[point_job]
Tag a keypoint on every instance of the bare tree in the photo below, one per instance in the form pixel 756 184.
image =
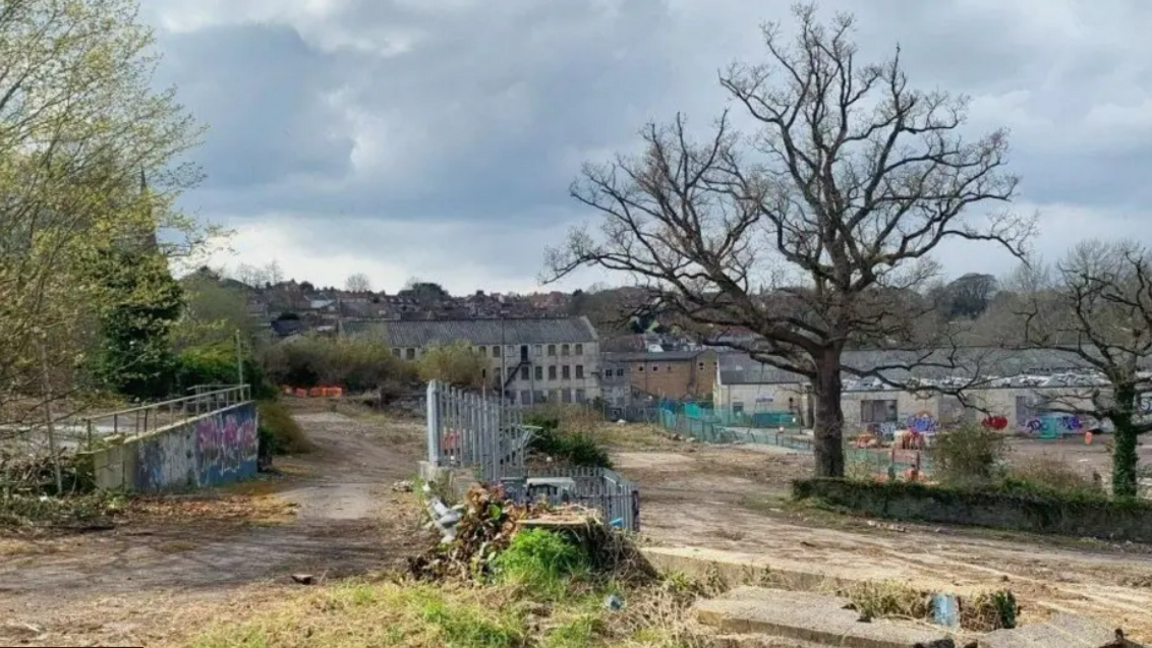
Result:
pixel 358 283
pixel 1096 306
pixel 811 232
pixel 273 272
pixel 249 275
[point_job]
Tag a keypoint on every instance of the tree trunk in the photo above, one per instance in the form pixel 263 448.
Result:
pixel 1124 457
pixel 828 428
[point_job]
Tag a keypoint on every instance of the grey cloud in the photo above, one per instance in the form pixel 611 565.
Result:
pixel 260 88
pixel 486 116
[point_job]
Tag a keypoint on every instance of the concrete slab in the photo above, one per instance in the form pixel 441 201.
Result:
pixel 809 617
pixel 1060 631
pixel 737 568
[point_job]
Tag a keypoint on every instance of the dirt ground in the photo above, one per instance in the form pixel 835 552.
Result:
pixel 733 498
pixel 151 581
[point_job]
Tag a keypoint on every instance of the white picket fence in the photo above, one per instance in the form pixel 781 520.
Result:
pixel 467 430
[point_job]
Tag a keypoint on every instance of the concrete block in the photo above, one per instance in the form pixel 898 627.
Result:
pixel 808 617
pixel 1060 631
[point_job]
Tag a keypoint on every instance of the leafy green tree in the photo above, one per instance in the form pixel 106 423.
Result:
pixel 82 130
pixel 142 303
pixel 456 364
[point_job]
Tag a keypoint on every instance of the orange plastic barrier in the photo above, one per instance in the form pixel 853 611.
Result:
pixel 315 392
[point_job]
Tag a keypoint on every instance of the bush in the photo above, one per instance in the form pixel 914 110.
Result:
pixel 542 562
pixel 216 365
pixel 562 437
pixel 356 364
pixel 968 455
pixel 280 431
pixel 455 364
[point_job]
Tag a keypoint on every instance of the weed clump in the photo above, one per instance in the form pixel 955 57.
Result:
pixel 566 438
pixel 542 562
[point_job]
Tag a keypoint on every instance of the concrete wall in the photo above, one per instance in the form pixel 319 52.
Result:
pixel 759 398
pixel 209 450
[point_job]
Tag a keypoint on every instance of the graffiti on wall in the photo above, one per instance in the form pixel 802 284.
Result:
pixel 1052 424
pixel 922 423
pixel 226 446
pixel 165 461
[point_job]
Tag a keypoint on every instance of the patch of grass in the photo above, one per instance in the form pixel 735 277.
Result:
pixel 280 431
pixel 543 563
pixel 989 611
pixel 1050 474
pixel 877 600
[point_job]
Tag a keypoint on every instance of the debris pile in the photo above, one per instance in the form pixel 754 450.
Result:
pixel 477 531
pixel 484 526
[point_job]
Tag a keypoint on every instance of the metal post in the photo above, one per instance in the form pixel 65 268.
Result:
pixel 239 361
pixel 433 423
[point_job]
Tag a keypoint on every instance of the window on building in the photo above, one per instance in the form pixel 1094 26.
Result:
pixel 655 368
pixel 553 396
pixel 640 368
pixel 524 372
pixel 551 349
pixel 538 350
pixel 579 371
pixel 579 349
pixel 566 372
pixel 564 349
pixel 737 407
pixel 620 372
pixel 581 397
pixel 878 411
pixel 539 372
pixel 538 395
pixel 484 374
pixel 525 397
pixel 701 365
pixel 509 351
pixel 566 395
pixel 396 352
pixel 523 353
pixel 483 351
pixel 552 373
pixel 495 352
pixel 668 368
pixel 410 353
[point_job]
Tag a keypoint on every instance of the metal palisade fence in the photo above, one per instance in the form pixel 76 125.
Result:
pixel 471 431
pixel 468 430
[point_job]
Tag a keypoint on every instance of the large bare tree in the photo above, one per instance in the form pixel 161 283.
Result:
pixel 811 231
pixel 1096 306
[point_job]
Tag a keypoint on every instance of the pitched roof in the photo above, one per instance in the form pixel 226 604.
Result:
pixel 648 356
pixel 419 333
pixel 1009 367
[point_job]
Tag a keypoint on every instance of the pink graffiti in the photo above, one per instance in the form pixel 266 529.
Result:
pixel 226 447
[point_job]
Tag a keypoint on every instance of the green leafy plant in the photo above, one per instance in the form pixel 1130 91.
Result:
pixel 281 431
pixel 542 562
pixel 567 443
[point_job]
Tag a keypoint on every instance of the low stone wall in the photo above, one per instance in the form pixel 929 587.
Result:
pixel 1019 511
pixel 216 448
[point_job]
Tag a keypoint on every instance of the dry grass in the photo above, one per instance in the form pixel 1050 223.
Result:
pixel 410 615
pixel 253 503
pixel 633 437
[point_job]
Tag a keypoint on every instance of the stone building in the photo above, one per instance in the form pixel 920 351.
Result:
pixel 676 375
pixel 1028 388
pixel 530 360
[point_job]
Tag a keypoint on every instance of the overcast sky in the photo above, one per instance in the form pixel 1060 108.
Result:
pixel 437 138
